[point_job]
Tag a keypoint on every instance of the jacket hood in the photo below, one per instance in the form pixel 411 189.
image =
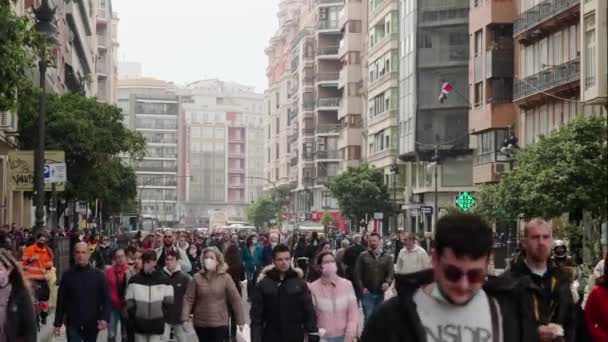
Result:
pixel 169 273
pixel 270 272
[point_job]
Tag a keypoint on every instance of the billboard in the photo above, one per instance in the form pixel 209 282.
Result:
pixel 21 169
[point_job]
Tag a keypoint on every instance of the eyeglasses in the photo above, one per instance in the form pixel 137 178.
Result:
pixel 454 274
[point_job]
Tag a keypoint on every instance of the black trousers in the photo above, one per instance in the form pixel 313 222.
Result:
pixel 219 334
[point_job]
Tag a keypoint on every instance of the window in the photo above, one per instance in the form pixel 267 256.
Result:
pixel 529 60
pixel 478 93
pixel 572 39
pixel 478 42
pixel 544 123
pixel 557 48
pixel 589 24
pixel 425 40
pixel 543 48
pixel 354 26
pixel 529 126
pixel 487 143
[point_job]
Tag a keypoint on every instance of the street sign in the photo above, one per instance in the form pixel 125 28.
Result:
pixel 55 173
pixel 21 169
pixel 378 216
pixel 426 210
pixel 465 201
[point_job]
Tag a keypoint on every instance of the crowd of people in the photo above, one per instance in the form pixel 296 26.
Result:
pixel 172 284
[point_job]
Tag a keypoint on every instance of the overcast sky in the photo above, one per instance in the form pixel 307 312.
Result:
pixel 188 40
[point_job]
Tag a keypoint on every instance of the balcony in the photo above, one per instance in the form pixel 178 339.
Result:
pixel 235 139
pixel 102 68
pixel 236 169
pixel 328 78
pixel 547 16
pixel 444 55
pixel 328 26
pixel 327 154
pixel 327 129
pixel 293 160
pixel 329 2
pixel 328 52
pixel 390 152
pixel 329 103
pixel 393 75
pixel 236 185
pixel 308 105
pixel 499 62
pixel 457 14
pixel 548 80
pixel 292 114
pixel 382 42
pixel 102 42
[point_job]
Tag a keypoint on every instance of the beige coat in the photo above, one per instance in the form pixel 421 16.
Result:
pixel 207 298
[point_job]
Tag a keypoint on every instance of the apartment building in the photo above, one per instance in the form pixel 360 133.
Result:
pixel 221 150
pixel 315 100
pixel 352 82
pixel 560 63
pixel 106 64
pixel 74 49
pixel 382 123
pixel 151 107
pixel 434 49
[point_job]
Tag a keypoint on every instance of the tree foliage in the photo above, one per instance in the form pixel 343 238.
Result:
pixel 563 172
pixel 360 191
pixel 20 46
pixel 92 136
pixel 262 211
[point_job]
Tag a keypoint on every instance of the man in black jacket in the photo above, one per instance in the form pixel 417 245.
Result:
pixel 548 308
pixel 451 301
pixel 282 308
pixel 83 301
pixel 350 260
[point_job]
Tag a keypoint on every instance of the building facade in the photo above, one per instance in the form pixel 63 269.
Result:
pixel 315 100
pixel 151 107
pixel 75 52
pixel 106 60
pixel 221 150
pixel 434 134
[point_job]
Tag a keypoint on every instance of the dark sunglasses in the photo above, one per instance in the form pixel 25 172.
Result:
pixel 454 274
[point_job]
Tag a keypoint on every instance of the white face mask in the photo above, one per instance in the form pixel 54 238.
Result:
pixel 210 264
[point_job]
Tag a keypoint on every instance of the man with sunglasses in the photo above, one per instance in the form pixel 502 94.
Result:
pixel 169 243
pixel 547 306
pixel 454 301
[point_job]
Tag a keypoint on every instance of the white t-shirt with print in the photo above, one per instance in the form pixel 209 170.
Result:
pixel 445 322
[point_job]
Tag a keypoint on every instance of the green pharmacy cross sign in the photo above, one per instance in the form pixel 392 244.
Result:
pixel 465 201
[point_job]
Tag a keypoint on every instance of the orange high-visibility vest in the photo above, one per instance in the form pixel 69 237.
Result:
pixel 37 269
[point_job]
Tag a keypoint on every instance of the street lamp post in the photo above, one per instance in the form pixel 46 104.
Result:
pixel 435 160
pixel 395 171
pixel 45 14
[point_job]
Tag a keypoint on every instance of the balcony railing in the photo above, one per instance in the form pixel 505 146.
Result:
pixel 384 153
pixel 384 40
pixel 328 25
pixel 540 13
pixel 328 76
pixel 547 79
pixel 328 51
pixel 329 102
pixel 308 105
pixel 328 128
pixel 452 15
pixel 328 154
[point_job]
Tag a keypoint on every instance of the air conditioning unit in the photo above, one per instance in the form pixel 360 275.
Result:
pixel 501 168
pixel 6 119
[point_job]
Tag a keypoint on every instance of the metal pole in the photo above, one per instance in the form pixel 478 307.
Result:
pixel 395 199
pixel 55 206
pixel 39 152
pixel 436 205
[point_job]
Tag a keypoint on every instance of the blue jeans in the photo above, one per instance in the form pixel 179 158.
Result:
pixel 333 339
pixel 80 334
pixel 115 317
pixel 369 302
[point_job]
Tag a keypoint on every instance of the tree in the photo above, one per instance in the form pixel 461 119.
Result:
pixel 92 136
pixel 564 171
pixel 262 211
pixel 20 46
pixel 360 191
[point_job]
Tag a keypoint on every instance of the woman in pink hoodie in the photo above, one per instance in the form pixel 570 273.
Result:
pixel 335 302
